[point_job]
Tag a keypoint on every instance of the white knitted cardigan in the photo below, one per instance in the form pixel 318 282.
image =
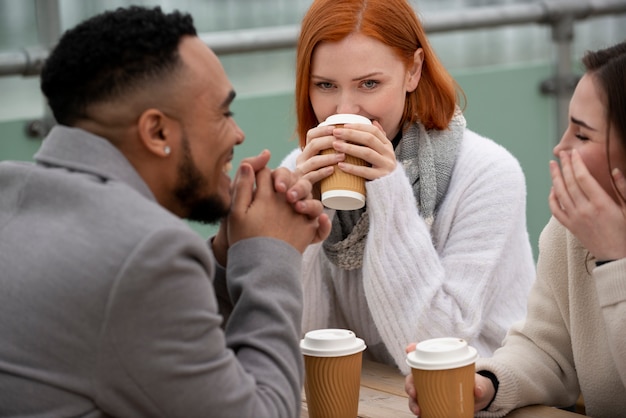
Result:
pixel 467 277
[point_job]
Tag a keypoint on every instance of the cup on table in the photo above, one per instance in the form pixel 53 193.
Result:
pixel 341 190
pixel 332 361
pixel 443 371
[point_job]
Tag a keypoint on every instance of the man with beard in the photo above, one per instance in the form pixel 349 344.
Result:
pixel 108 300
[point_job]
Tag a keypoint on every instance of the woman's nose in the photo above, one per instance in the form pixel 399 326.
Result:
pixel 347 105
pixel 559 147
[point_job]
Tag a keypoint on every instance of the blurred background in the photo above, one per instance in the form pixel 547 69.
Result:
pixel 516 60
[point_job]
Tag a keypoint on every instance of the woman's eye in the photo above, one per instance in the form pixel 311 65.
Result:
pixel 369 84
pixel 229 114
pixel 582 137
pixel 324 85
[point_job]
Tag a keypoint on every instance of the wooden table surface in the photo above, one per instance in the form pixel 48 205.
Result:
pixel 382 396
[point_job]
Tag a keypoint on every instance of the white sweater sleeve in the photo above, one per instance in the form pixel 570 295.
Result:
pixel 317 307
pixel 420 286
pixel 290 160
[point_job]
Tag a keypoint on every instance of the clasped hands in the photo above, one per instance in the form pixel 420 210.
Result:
pixel 271 203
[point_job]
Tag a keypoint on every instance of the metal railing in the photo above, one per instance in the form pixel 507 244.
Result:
pixel 560 15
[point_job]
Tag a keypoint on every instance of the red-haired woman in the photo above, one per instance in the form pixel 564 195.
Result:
pixel 441 247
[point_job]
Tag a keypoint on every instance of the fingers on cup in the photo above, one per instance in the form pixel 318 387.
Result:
pixel 341 190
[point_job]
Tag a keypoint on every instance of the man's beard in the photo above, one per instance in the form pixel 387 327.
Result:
pixel 205 209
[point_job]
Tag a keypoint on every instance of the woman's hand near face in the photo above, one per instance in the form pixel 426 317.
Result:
pixel 310 163
pixel 579 203
pixel 364 141
pixel 369 143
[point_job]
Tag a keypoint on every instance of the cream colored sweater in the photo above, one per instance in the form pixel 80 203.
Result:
pixel 469 276
pixel 574 337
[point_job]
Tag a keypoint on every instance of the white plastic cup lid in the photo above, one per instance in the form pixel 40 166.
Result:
pixel 340 118
pixel 343 199
pixel 441 354
pixel 331 342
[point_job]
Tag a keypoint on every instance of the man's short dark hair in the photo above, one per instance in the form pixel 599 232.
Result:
pixel 108 55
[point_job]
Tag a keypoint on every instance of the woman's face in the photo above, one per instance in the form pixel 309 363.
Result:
pixel 587 133
pixel 363 76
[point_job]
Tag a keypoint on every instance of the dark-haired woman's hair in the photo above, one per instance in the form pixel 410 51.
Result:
pixel 608 69
pixel 110 54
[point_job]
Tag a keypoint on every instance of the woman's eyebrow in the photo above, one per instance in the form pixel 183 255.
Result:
pixel 361 77
pixel 581 123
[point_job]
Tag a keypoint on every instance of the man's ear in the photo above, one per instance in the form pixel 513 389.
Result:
pixel 415 70
pixel 158 132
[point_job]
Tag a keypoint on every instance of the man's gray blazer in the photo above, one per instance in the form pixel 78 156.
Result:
pixel 107 303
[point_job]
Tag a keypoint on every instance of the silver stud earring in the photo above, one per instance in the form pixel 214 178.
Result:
pixel 167 150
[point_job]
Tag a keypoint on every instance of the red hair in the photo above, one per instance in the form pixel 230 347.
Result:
pixel 392 22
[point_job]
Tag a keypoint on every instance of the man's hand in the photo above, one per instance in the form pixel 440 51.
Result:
pixel 264 212
pixel 298 192
pixel 275 203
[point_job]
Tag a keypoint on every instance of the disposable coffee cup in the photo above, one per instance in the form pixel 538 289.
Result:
pixel 341 190
pixel 443 371
pixel 332 361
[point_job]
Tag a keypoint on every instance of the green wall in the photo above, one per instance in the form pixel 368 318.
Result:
pixel 506 106
pixel 14 144
pixel 503 104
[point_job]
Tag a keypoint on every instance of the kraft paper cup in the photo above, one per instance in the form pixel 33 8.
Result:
pixel 443 371
pixel 332 360
pixel 341 190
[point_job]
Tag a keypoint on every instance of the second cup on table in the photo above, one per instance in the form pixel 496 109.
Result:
pixel 443 372
pixel 332 360
pixel 341 190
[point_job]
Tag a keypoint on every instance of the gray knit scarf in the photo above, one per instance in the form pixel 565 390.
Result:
pixel 428 159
